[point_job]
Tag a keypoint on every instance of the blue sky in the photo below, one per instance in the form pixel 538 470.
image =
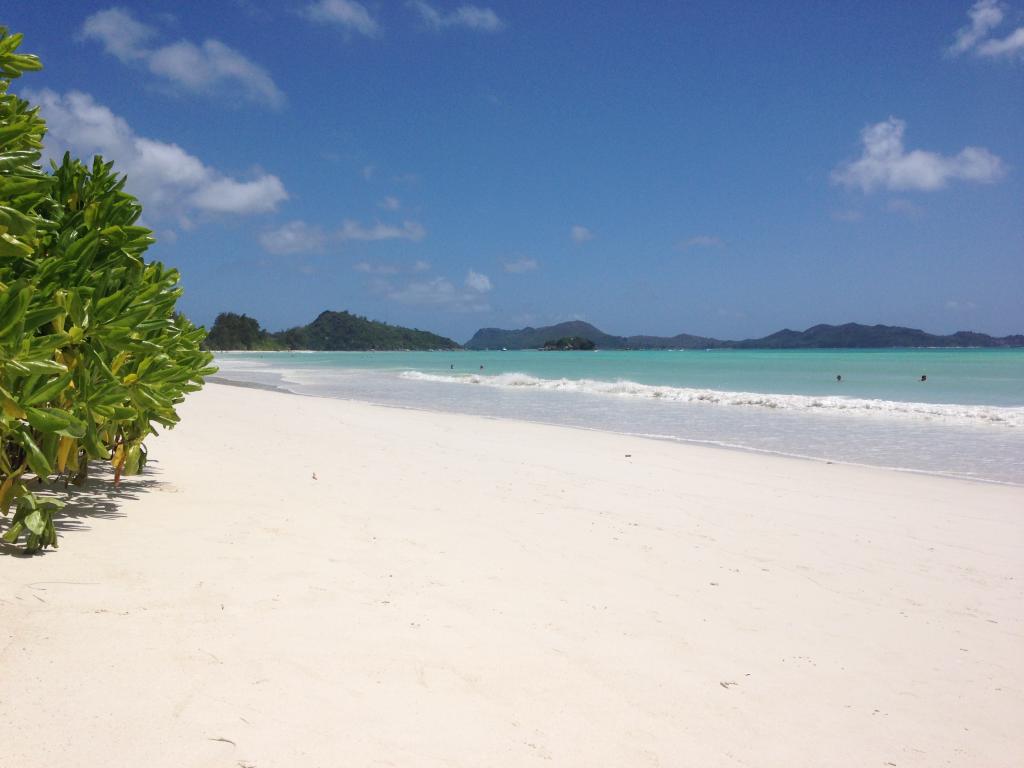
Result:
pixel 726 168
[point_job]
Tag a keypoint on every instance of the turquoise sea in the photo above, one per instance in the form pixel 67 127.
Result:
pixel 965 419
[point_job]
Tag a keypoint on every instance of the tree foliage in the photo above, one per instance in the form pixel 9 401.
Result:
pixel 237 332
pixel 331 331
pixel 567 343
pixel 91 351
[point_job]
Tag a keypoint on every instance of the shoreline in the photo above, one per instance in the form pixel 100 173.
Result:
pixel 299 578
pixel 721 445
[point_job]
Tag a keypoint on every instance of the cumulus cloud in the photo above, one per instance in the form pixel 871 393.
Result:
pixel 885 163
pixel 421 266
pixel 214 67
pixel 701 241
pixel 580 234
pixel 120 33
pixel 477 282
pixel 298 236
pixel 210 67
pixel 409 230
pixel 441 293
pixel 225 195
pixel 465 16
pixel 293 237
pixel 985 16
pixel 390 203
pixel 521 265
pixel 1009 46
pixel 348 13
pixel 164 176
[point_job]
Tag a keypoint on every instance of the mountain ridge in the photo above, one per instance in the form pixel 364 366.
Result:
pixel 821 336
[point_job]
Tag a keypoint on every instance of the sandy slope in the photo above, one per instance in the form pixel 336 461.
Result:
pixel 455 591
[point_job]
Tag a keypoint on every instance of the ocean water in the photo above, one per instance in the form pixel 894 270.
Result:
pixel 965 420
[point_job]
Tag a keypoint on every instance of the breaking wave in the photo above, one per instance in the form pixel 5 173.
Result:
pixel 951 413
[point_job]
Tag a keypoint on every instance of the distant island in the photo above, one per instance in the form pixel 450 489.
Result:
pixel 329 332
pixel 848 336
pixel 569 343
pixel 344 331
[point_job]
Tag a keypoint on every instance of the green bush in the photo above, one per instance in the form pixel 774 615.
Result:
pixel 92 353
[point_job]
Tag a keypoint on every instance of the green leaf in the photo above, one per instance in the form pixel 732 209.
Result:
pixel 32 367
pixel 35 522
pixel 36 317
pixel 49 390
pixel 11 537
pixel 13 310
pixel 55 420
pixel 37 460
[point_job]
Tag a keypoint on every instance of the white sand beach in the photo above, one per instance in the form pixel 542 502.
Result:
pixel 312 582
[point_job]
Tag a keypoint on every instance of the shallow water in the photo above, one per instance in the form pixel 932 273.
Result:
pixel 966 419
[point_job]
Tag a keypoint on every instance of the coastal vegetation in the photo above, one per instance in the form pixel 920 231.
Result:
pixel 233 331
pixel 92 353
pixel 568 343
pixel 329 332
pixel 847 336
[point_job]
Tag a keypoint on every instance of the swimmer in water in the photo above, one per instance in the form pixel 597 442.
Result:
pixel 839 377
pixel 923 377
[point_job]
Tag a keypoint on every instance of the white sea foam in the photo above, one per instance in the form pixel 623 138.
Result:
pixel 950 413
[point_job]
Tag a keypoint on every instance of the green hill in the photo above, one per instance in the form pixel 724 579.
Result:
pixel 329 332
pixel 535 338
pixel 848 336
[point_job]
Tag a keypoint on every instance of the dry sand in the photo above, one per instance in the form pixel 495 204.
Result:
pixel 457 591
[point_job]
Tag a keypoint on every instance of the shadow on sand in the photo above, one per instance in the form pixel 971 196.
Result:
pixel 97 498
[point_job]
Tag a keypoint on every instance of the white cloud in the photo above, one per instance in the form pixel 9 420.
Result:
pixel 214 67
pixel 211 67
pixel 293 237
pixel 985 16
pixel 885 163
pixel 477 282
pixel 439 292
pixel 121 34
pixel 165 177
pixel 521 265
pixel 353 230
pixel 368 172
pixel 421 266
pixel 298 236
pixel 465 16
pixel 226 195
pixel 375 269
pixel 1009 46
pixel 347 13
pixel 390 203
pixel 580 234
pixel 702 241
